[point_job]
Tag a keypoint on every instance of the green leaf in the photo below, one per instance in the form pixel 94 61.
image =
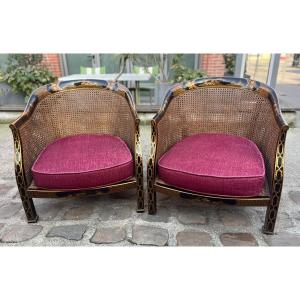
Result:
pixel 24 75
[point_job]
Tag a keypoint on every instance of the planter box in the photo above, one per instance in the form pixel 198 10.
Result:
pixel 10 99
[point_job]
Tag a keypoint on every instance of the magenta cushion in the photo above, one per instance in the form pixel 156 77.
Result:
pixel 83 161
pixel 214 164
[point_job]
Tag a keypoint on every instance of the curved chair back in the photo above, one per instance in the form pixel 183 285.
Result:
pixel 222 105
pixel 234 106
pixel 76 107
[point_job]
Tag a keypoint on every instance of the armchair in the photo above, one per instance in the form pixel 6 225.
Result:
pixel 237 107
pixel 91 110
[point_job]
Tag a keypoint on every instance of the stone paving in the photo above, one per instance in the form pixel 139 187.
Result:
pixel 112 220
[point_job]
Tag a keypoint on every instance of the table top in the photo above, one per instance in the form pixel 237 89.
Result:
pixel 123 77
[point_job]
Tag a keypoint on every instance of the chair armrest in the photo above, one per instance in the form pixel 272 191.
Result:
pixel 27 136
pixel 27 146
pixel 18 155
pixel 270 136
pixel 269 133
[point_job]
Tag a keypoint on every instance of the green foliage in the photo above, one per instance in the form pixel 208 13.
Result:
pixel 23 60
pixel 229 60
pixel 26 79
pixel 181 73
pixel 25 73
pixel 156 66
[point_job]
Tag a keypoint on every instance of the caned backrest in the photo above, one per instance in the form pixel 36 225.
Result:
pixel 86 108
pixel 219 105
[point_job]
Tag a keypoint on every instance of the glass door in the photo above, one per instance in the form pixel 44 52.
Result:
pixel 82 63
pixel 109 63
pixel 288 82
pixel 257 66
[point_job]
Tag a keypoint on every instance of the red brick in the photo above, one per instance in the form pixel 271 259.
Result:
pixel 52 62
pixel 212 64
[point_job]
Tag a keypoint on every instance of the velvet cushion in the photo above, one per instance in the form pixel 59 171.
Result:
pixel 214 164
pixel 83 161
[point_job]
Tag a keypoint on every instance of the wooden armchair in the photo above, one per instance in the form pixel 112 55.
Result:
pixel 76 108
pixel 237 107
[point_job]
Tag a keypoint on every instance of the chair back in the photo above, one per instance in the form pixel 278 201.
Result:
pixel 217 105
pixel 75 107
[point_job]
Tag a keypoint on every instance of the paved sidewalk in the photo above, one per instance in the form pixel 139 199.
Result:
pixel 288 80
pixel 112 220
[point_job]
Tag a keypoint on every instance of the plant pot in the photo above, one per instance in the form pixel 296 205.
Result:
pixel 10 99
pixel 160 91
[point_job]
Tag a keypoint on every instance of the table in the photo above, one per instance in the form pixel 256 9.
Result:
pixel 124 77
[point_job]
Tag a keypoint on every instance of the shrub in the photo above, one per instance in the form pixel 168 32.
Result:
pixel 229 60
pixel 25 72
pixel 181 73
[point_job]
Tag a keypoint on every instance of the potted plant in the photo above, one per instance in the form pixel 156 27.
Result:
pixel 164 77
pixel 153 64
pixel 181 73
pixel 23 74
pixel 157 66
pixel 229 60
pixel 177 73
pixel 8 97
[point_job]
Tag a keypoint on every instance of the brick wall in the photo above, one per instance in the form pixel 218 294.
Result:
pixel 212 64
pixel 52 62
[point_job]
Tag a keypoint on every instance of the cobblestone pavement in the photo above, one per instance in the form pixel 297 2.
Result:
pixel 112 220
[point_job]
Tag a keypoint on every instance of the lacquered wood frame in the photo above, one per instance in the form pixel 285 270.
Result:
pixel 275 188
pixel 28 190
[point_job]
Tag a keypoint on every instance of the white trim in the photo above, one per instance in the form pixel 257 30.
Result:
pixel 273 70
pixel 240 63
pixel 196 62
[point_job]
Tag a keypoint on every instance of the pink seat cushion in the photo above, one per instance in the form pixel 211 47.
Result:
pixel 83 161
pixel 214 164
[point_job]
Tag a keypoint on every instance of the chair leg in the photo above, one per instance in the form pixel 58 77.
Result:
pixel 272 210
pixel 29 209
pixel 270 219
pixel 140 197
pixel 151 189
pixel 151 173
pixel 151 201
pixel 140 181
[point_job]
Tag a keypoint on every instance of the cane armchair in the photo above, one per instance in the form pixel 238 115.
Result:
pixel 234 106
pixel 70 108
